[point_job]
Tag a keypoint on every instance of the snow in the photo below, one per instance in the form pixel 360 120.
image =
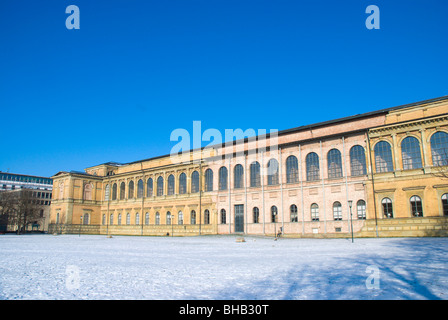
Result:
pixel 219 267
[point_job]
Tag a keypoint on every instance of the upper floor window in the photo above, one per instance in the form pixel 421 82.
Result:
pixel 439 148
pixel 292 169
pixel 334 164
pixel 170 184
pixel 208 175
pixel 131 190
pixel 383 157
pixel 107 192
pixel 114 191
pixel 122 190
pixel 410 153
pixel 140 189
pixel 160 186
pixel 195 182
pixel 255 174
pixel 222 178
pixel 149 188
pixel 273 172
pixel 182 183
pixel 238 175
pixel 88 191
pixel 357 161
pixel 312 166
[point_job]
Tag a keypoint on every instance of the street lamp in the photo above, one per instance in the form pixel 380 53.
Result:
pixel 172 225
pixel 80 225
pixel 350 202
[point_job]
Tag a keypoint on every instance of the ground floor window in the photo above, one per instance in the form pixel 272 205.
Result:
pixel 445 204
pixel 361 209
pixel 206 217
pixel 293 213
pixel 223 216
pixel 416 206
pixel 314 212
pixel 387 208
pixel 337 211
pixel 256 213
pixel 193 217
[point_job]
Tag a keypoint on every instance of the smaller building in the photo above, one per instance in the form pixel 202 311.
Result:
pixel 40 194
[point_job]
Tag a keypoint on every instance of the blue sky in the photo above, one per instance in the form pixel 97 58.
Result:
pixel 115 89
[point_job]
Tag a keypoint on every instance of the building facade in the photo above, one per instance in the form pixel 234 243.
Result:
pixel 374 174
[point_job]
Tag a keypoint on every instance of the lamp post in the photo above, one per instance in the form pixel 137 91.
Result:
pixel 350 202
pixel 172 225
pixel 80 225
pixel 275 225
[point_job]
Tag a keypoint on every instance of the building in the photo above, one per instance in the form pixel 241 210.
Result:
pixel 41 192
pixel 376 174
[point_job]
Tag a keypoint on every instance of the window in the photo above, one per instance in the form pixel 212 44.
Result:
pixel 445 204
pixel 223 216
pixel 255 174
pixel 223 178
pixel 312 166
pixel 128 219
pixel 131 190
pixel 85 220
pixel 410 153
pixel 293 213
pixel 208 175
pixel 103 221
pixel 182 183
pixel 160 186
pixel 387 208
pixel 111 219
pixel 439 148
pixel 361 209
pixel 292 170
pixel 168 217
pixel 383 157
pixel 416 206
pixel 238 174
pixel 314 212
pixel 180 219
pixel 357 161
pixel 273 172
pixel 157 218
pixel 193 217
pixel 274 214
pixel 140 189
pixel 334 164
pixel 88 191
pixel 195 182
pixel 146 218
pixel 206 217
pixel 122 190
pixel 170 185
pixel 256 213
pixel 137 218
pixel 149 188
pixel 337 211
pixel 107 193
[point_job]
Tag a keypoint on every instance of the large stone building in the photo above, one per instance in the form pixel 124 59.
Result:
pixel 376 174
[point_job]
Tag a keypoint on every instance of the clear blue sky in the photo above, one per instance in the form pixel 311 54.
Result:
pixel 115 89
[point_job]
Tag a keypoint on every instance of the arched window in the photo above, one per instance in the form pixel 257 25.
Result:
pixel 193 217
pixel 273 172
pixel 157 222
pixel 223 216
pixel 119 219
pixel 107 193
pixel 312 166
pixel 256 213
pixel 122 190
pixel 439 148
pixel 195 182
pixel 361 209
pixel 180 219
pixel 388 211
pixel 274 214
pixel 383 157
pixel 111 219
pixel 208 175
pixel 103 221
pixel 238 175
pixel 149 188
pixel 128 218
pixel 293 213
pixel 147 218
pixel 223 178
pixel 357 161
pixel 182 183
pixel 131 190
pixel 255 174
pixel 314 212
pixel 416 206
pixel 86 219
pixel 160 186
pixel 337 211
pixel 206 217
pixel 445 204
pixel 292 170
pixel 88 191
pixel 137 218
pixel 334 164
pixel 114 191
pixel 170 184
pixel 410 153
pixel 140 189
pixel 168 217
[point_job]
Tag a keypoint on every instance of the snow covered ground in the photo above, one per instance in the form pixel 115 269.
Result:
pixel 218 267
